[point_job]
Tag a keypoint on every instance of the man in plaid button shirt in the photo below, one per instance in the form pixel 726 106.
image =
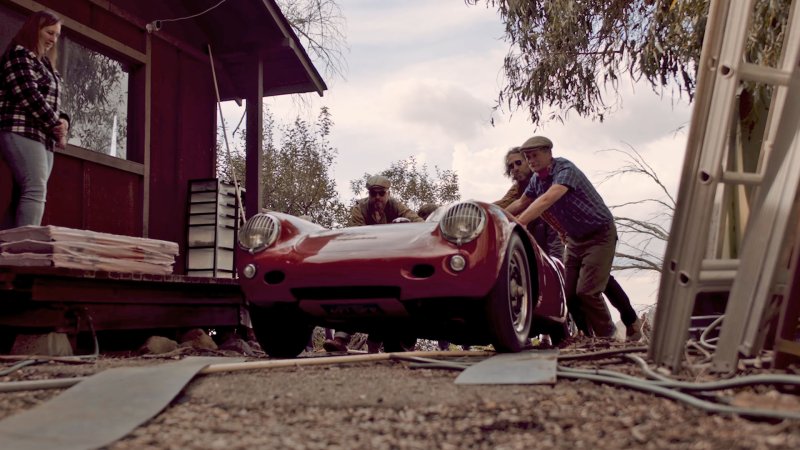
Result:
pixel 561 194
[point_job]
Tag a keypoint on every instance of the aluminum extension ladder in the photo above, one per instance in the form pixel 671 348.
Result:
pixel 756 280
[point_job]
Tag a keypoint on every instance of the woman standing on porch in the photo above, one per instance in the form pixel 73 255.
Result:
pixel 30 120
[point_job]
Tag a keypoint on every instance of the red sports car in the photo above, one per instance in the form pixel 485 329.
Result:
pixel 470 274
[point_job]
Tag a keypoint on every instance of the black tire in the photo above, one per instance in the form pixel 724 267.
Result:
pixel 397 343
pixel 281 332
pixel 509 307
pixel 558 332
pixel 7 337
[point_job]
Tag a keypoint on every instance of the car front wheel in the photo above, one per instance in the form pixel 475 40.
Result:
pixel 510 303
pixel 395 343
pixel 281 332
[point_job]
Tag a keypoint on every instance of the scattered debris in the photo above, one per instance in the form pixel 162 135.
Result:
pixel 157 345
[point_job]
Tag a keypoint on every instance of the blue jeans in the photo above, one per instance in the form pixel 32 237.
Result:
pixel 30 165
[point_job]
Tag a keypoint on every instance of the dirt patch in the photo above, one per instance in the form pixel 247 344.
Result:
pixel 391 405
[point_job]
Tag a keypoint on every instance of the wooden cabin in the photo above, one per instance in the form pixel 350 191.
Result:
pixel 139 87
pixel 142 96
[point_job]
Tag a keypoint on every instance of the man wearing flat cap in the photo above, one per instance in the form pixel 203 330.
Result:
pixel 379 207
pixel 564 197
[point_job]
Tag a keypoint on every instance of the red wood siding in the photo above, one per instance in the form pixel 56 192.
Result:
pixel 182 139
pixel 86 195
pixel 101 20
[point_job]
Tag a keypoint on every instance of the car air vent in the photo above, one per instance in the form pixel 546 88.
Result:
pixel 422 271
pixel 274 277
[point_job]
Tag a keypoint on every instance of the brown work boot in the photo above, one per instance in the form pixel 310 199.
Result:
pixel 633 332
pixel 336 344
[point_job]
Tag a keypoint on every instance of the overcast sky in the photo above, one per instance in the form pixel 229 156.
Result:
pixel 422 78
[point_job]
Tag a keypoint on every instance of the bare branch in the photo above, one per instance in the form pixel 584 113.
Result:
pixel 320 25
pixel 639 263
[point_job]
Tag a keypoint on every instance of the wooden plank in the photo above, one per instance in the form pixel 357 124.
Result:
pixel 532 367
pixel 123 165
pixel 140 393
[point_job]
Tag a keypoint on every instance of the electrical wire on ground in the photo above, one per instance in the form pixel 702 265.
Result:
pixel 655 383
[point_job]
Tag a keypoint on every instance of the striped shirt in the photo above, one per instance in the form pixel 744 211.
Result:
pixel 580 212
pixel 29 96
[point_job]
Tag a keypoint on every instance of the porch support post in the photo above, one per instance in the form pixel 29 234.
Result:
pixel 253 141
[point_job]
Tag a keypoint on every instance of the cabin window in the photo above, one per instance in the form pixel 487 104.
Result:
pixel 95 95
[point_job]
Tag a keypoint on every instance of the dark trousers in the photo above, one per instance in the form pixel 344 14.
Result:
pixel 588 267
pixel 618 299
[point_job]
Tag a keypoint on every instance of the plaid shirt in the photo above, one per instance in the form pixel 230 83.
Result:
pixel 29 89
pixel 581 212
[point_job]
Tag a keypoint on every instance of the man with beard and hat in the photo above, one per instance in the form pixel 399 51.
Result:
pixel 377 208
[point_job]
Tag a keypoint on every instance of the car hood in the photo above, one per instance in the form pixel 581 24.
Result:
pixel 371 239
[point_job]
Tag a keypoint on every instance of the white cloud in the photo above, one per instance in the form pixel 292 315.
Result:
pixel 380 23
pixel 447 109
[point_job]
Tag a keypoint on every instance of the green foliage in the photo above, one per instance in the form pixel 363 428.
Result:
pixel 95 90
pixel 413 185
pixel 297 170
pixel 568 54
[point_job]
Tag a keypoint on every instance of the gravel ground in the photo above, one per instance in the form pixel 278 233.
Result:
pixel 390 405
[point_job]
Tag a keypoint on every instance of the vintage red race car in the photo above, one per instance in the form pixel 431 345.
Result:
pixel 470 274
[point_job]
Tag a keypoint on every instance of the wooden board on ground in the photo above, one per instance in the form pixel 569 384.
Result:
pixel 532 367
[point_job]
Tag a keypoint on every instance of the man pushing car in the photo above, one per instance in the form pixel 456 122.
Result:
pixel 379 207
pixel 563 196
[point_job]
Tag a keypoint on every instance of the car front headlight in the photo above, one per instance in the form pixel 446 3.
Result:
pixel 463 222
pixel 259 232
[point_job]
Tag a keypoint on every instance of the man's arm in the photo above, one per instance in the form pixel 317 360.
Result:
pixel 519 205
pixel 511 195
pixel 356 218
pixel 404 211
pixel 540 205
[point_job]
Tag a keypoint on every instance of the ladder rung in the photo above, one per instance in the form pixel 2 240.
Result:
pixel 717 276
pixel 747 178
pixel 769 75
pixel 719 264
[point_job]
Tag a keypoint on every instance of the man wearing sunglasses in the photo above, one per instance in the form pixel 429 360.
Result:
pixel 517 168
pixel 565 198
pixel 378 208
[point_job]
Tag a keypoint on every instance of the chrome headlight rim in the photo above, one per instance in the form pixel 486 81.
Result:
pixel 470 214
pixel 262 228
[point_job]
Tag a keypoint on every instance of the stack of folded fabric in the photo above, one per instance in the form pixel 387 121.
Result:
pixel 51 246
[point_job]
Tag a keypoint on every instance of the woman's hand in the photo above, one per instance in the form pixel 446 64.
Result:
pixel 60 131
pixel 61 128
